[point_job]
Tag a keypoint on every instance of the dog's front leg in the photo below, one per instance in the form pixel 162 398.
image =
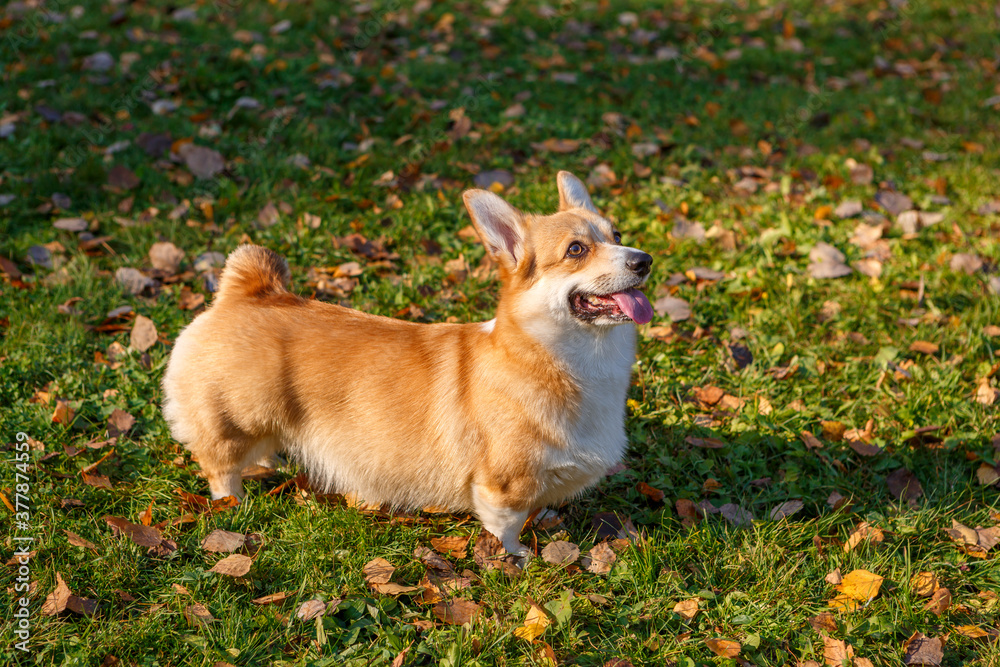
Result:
pixel 500 515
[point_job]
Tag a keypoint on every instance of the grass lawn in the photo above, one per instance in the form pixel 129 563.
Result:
pixel 815 402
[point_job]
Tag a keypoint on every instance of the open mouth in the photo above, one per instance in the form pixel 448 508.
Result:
pixel 630 304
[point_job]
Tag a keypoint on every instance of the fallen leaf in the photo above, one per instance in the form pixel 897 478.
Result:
pixel 122 178
pixel 489 554
pixel 143 334
pixel 222 541
pixel 823 622
pixel 705 443
pixel 786 509
pixel 924 347
pixel 310 609
pixel 62 599
pixel 724 648
pixel 198 614
pixel 453 546
pixel 920 649
pixel 676 309
pixel 166 257
pixel 392 588
pixel 836 651
pixel 273 598
pixel 557 145
pixel 78 541
pixel 924 583
pixel 987 474
pixel 534 623
pixel 119 423
pixel 904 485
pixel 860 585
pixel 736 515
pixel 652 493
pixel 235 565
pixel 63 413
pixel 827 262
pixel 834 577
pixel 203 162
pixel 687 609
pixel 378 571
pixel 599 559
pixel 560 552
pixel 144 536
pixel 939 602
pixel 457 611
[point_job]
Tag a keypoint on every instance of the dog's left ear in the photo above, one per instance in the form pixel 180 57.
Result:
pixel 573 193
pixel 499 226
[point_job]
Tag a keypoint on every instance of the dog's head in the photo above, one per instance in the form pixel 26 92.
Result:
pixel 569 267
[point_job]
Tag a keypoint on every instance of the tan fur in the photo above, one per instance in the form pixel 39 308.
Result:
pixel 458 415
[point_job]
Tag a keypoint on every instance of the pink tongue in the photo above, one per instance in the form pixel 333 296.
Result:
pixel 634 304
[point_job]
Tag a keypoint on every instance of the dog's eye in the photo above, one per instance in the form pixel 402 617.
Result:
pixel 618 238
pixel 575 249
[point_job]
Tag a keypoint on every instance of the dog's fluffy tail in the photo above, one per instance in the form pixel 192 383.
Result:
pixel 253 272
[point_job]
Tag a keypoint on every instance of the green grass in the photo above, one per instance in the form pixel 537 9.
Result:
pixel 868 79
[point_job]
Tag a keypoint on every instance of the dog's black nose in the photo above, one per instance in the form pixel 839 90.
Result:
pixel 639 263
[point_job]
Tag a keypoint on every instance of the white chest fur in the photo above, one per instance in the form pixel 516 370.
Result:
pixel 602 366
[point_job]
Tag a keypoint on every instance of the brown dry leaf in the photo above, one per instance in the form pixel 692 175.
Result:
pixel 198 614
pixel 457 611
pixel 560 552
pixel 95 479
pixel 432 560
pixel 687 609
pixel 144 536
pixel 967 539
pixel 310 609
pixel 78 541
pixel 985 393
pixel 273 598
pixel 652 493
pixel 57 600
pixel 378 571
pixel 864 531
pixel 972 632
pixel 834 577
pixel 392 588
pixel 705 443
pixel 987 474
pixel 939 602
pixel 860 585
pixel 534 623
pixel 143 334
pixel 904 486
pixel 453 545
pixel 824 622
pixel 836 651
pixel 223 541
pixel 810 440
pixel 924 583
pixel 63 413
pixel 687 511
pixel 599 559
pixel 189 300
pixel 166 257
pixel 920 649
pixel 122 178
pixel 924 347
pixel 489 554
pixel 709 395
pixel 786 509
pixel 736 515
pixel 724 648
pixel 203 162
pixel 236 565
pixel 119 423
pixel 557 145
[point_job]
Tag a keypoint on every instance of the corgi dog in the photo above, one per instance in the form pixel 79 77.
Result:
pixel 497 418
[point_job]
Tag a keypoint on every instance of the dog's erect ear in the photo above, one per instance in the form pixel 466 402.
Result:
pixel 573 193
pixel 499 226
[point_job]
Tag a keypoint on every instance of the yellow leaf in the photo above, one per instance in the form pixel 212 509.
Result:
pixel 724 648
pixel 843 603
pixel 862 532
pixel 687 609
pixel 534 624
pixel 987 474
pixel 860 585
pixel 924 583
pixel 971 631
